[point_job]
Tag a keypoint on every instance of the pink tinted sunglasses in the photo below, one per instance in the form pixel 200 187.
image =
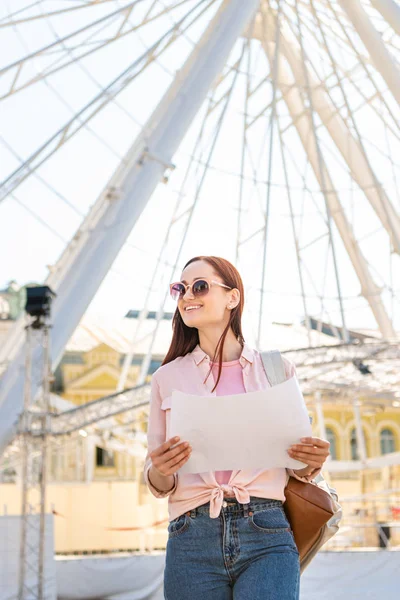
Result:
pixel 200 287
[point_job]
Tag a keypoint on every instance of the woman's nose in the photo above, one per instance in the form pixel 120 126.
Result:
pixel 188 293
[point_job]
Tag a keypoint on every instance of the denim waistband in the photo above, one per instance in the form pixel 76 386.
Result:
pixel 231 505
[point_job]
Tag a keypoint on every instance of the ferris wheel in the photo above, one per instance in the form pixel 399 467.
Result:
pixel 136 135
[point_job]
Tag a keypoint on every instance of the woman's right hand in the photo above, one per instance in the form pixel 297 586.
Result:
pixel 166 460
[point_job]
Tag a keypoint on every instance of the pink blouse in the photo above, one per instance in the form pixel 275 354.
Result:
pixel 187 374
pixel 230 382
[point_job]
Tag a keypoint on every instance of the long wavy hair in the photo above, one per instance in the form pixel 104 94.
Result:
pixel 185 339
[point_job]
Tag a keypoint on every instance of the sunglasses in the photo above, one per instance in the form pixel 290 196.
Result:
pixel 200 287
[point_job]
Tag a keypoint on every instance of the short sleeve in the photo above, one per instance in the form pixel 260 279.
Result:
pixel 290 368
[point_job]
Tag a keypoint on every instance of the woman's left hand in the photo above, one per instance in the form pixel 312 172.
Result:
pixel 313 451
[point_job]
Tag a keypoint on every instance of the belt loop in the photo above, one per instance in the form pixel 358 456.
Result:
pixel 246 509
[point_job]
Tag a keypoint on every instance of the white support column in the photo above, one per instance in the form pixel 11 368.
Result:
pixel 84 264
pixel 321 423
pixel 359 431
pixel 373 42
pixel 301 120
pixel 320 415
pixel 390 11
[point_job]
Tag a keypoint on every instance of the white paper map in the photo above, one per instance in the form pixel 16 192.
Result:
pixel 241 431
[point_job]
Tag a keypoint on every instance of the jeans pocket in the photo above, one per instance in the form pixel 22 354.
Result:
pixel 270 520
pixel 178 525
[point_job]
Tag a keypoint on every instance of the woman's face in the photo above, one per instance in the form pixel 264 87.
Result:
pixel 210 309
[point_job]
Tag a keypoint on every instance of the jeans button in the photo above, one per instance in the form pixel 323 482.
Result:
pixel 224 504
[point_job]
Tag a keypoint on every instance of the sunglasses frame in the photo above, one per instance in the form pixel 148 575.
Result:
pixel 210 283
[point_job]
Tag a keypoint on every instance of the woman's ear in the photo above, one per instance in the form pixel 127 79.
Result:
pixel 234 298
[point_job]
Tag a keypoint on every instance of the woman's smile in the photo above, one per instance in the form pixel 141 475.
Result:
pixel 192 308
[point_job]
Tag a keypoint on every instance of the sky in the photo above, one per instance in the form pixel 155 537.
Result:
pixel 44 212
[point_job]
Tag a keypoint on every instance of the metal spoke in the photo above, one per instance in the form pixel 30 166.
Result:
pixel 74 125
pixel 63 56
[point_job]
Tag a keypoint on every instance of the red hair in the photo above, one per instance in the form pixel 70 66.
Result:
pixel 185 339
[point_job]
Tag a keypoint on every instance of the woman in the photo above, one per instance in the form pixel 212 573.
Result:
pixel 229 537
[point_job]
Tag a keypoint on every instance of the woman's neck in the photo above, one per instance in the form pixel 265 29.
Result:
pixel 232 348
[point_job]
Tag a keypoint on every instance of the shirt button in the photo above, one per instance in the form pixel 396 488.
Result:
pixel 224 504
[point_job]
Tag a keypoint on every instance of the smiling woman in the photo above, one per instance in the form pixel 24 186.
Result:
pixel 218 510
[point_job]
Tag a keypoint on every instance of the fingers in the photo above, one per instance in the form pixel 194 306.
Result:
pixel 315 460
pixel 309 450
pixel 315 441
pixel 165 446
pixel 177 461
pixel 309 459
pixel 175 455
pixel 311 447
pixel 313 451
pixel 312 457
pixel 167 460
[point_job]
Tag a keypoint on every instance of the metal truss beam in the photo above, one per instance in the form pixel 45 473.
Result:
pixel 106 95
pixel 94 248
pixel 103 408
pixel 70 49
pixel 327 369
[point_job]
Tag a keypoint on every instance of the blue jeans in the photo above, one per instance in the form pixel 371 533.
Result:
pixel 247 553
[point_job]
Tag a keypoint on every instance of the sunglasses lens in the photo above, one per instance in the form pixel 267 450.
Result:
pixel 200 287
pixel 177 290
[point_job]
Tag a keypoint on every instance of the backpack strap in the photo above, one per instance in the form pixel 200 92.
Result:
pixel 274 366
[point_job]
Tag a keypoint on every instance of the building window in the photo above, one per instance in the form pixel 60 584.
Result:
pixel 104 458
pixel 388 443
pixel 331 437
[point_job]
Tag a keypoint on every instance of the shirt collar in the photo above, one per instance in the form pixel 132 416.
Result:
pixel 247 355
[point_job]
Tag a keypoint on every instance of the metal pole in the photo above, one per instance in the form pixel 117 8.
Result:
pixel 43 462
pixel 322 174
pixel 34 428
pixel 274 72
pixel 25 459
pixel 320 415
pixel 243 153
pixel 295 238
